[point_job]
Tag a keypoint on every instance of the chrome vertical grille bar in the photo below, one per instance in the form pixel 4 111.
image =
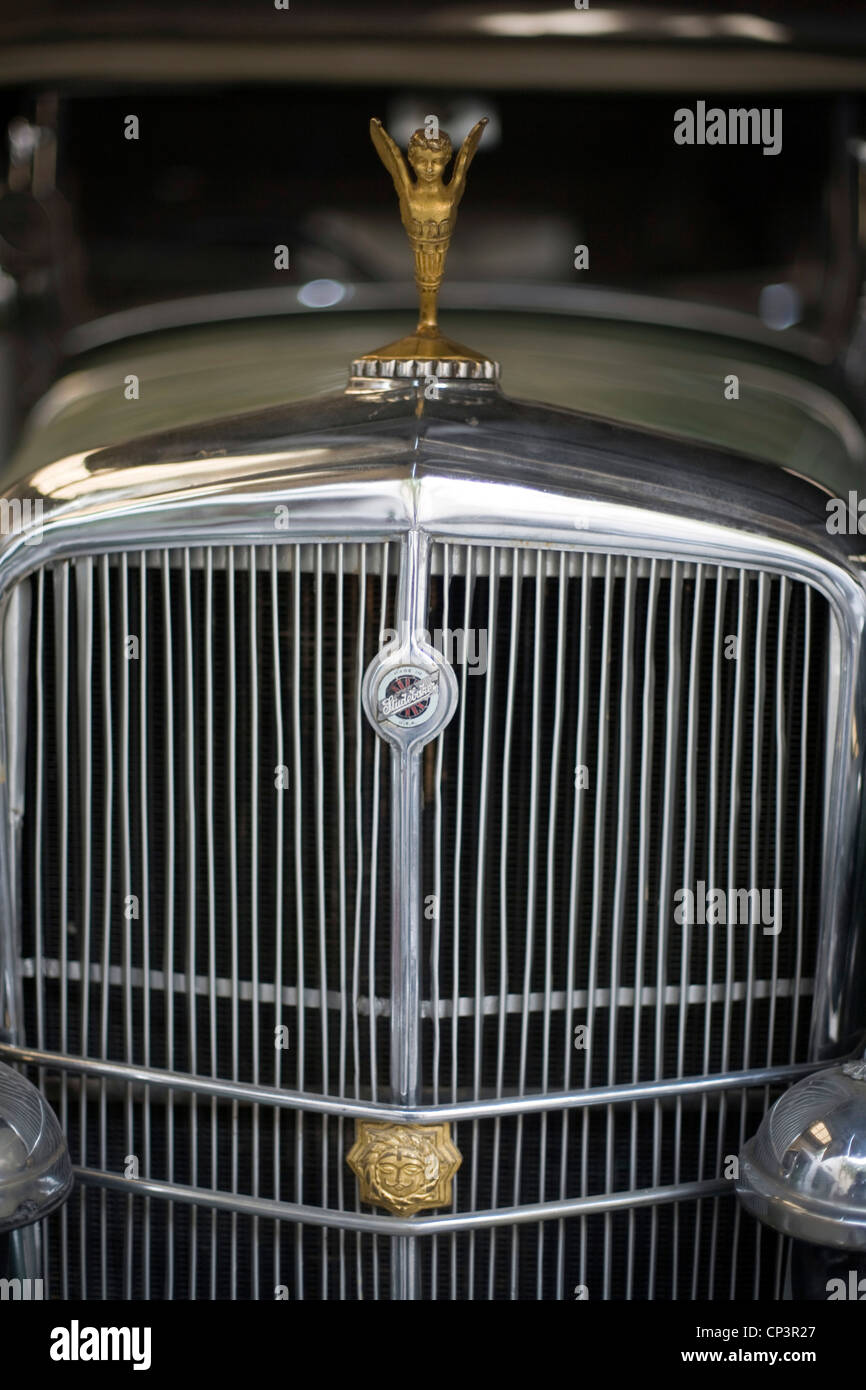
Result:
pixel 144 811
pixel 210 850
pixel 446 623
pixel 211 893
pixel 39 830
pixel 359 889
pixel 253 927
pixel 279 920
pixel 319 794
pixel 191 899
pixel 405 906
pixel 169 949
pixel 298 784
pixel 780 702
pixel 84 611
pixel 481 865
pixel 61 626
pixel 107 889
pixel 487 779
pixel 513 651
pixel 801 819
pixel 127 888
pixel 436 949
pixel 341 906
pixel 234 856
pixel 456 906
pixel 782 713
pixel 378 778
pixel 375 878
pixel 436 943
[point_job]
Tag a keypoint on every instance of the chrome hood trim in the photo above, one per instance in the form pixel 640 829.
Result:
pixel 382 453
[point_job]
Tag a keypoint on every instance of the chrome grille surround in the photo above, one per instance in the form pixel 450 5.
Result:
pixel 447 511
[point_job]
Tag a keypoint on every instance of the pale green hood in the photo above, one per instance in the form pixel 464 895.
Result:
pixel 656 378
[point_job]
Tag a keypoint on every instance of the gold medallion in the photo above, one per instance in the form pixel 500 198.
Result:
pixel 404 1168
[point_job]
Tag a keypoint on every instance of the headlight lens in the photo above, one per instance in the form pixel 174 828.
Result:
pixel 35 1172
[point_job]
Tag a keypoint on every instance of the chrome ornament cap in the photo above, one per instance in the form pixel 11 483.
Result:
pixel 804 1172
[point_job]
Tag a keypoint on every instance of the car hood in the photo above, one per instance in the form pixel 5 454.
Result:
pixel 665 380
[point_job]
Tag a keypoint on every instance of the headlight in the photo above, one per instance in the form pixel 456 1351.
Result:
pixel 804 1172
pixel 35 1172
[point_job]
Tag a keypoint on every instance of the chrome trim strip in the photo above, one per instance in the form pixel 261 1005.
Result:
pixel 405 905
pixel 16 655
pixel 466 1004
pixel 402 1227
pixel 414 1114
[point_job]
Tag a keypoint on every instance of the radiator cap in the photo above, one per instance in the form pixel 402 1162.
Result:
pixel 804 1172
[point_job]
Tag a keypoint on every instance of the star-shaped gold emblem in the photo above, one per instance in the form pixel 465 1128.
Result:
pixel 404 1168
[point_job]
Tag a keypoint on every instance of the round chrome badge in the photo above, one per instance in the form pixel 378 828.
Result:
pixel 409 693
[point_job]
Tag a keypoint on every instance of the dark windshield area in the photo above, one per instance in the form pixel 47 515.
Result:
pixel 217 179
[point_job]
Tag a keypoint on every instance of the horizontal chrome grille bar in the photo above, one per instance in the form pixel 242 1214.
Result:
pixel 466 1005
pixel 396 1226
pixel 416 1114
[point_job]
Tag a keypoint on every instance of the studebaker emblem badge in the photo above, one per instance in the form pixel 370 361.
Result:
pixel 409 692
pixel 408 696
pixel 404 1168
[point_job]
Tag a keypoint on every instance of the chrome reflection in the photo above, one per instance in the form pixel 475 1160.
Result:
pixel 804 1172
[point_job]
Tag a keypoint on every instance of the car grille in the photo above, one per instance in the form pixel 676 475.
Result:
pixel 207 860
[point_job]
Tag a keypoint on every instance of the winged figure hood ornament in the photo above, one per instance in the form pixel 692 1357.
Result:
pixel 428 208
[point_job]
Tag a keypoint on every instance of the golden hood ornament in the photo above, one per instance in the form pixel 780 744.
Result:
pixel 404 1168
pixel 428 208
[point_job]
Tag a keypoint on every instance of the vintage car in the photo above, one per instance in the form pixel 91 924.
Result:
pixel 432 791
